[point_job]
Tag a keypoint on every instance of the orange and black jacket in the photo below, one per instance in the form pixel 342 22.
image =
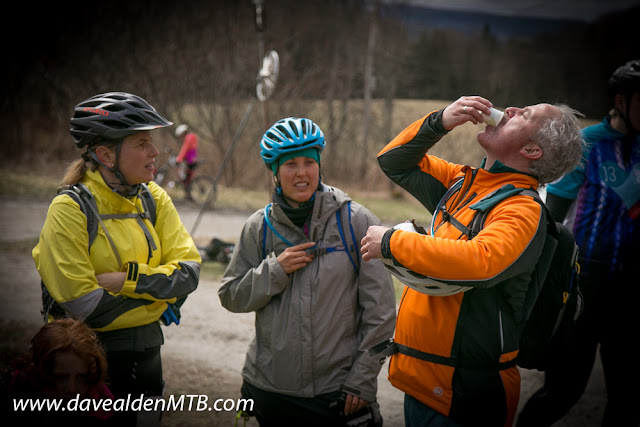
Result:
pixel 475 333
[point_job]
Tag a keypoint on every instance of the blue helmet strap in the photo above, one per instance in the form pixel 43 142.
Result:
pixel 276 182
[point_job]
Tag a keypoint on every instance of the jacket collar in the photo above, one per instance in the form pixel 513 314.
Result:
pixel 499 167
pixel 327 201
pixel 105 196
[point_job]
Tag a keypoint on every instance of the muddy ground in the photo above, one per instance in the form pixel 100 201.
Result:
pixel 204 354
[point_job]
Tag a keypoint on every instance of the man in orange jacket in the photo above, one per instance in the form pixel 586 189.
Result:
pixel 457 366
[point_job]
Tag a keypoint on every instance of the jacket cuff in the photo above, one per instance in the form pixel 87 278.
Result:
pixel 131 280
pixel 363 379
pixel 369 397
pixel 434 123
pixel 385 244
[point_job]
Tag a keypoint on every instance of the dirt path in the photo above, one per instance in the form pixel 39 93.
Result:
pixel 205 353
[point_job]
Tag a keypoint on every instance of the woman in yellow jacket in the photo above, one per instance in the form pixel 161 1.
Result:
pixel 135 269
pixel 460 366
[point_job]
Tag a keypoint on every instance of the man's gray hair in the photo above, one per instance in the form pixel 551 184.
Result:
pixel 562 145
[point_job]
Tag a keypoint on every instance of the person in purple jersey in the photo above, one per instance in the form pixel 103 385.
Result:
pixel 601 201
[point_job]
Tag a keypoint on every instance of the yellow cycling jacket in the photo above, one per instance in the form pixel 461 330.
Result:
pixel 473 332
pixel 68 266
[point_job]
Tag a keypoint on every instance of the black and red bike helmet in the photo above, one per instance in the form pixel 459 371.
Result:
pixel 113 116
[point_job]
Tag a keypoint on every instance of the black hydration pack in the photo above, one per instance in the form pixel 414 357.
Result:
pixel 553 295
pixel 553 300
pixel 83 197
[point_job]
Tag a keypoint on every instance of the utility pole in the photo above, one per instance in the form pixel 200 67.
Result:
pixel 260 24
pixel 266 81
pixel 369 84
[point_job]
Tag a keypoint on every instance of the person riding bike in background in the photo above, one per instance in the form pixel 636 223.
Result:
pixel 123 282
pixel 318 308
pixel 601 199
pixel 188 152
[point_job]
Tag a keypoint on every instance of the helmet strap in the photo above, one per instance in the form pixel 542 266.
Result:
pixel 122 186
pixel 276 183
pixel 96 159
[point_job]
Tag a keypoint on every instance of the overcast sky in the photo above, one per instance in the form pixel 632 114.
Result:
pixel 584 10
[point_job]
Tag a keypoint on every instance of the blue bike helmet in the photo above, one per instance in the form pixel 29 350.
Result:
pixel 288 136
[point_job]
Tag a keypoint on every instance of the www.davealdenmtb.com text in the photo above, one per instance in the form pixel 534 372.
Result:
pixel 185 402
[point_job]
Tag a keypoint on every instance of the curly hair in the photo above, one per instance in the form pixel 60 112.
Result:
pixel 68 335
pixel 562 145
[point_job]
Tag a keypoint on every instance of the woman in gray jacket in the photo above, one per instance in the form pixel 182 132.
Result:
pixel 318 308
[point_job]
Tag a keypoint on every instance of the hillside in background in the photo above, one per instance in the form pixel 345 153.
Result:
pixel 504 27
pixel 342 64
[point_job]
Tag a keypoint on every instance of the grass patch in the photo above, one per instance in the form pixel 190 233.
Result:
pixel 212 270
pixel 19 247
pixel 27 184
pixel 394 210
pixel 241 199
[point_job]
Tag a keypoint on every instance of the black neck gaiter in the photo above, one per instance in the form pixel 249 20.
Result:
pixel 297 215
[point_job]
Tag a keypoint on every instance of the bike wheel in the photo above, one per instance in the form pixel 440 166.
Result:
pixel 202 191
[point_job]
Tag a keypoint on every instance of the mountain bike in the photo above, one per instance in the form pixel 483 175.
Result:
pixel 174 178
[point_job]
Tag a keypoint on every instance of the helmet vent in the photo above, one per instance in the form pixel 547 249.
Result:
pixel 82 114
pixel 290 135
pixel 135 118
pixel 310 142
pixel 294 129
pixel 137 105
pixel 284 132
pixel 113 124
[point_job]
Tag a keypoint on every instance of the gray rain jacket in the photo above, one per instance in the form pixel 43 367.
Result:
pixel 313 327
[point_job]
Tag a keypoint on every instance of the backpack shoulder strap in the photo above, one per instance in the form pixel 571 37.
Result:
pixel 266 222
pixel 552 226
pixel 345 228
pixel 264 233
pixel 149 203
pixel 149 212
pixel 267 209
pixel 484 206
pixel 83 197
pixel 353 247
